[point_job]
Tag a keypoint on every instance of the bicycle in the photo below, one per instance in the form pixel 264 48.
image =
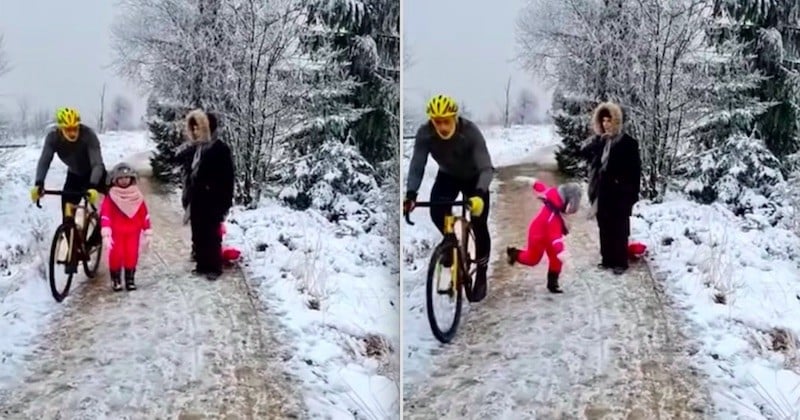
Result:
pixel 74 235
pixel 460 242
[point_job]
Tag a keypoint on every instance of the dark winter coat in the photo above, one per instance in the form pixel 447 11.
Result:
pixel 211 185
pixel 615 186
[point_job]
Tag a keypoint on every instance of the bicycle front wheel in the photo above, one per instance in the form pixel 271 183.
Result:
pixel 93 253
pixel 60 258
pixel 442 287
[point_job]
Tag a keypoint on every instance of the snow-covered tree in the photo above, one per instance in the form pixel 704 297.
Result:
pixel 120 116
pixel 369 31
pixel 770 30
pixel 5 64
pixel 525 107
pixel 165 123
pixel 571 116
pixel 635 57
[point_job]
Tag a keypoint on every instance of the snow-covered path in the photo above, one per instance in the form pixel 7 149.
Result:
pixel 179 347
pixel 609 347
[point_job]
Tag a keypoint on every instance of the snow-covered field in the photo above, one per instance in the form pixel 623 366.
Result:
pixel 334 287
pixel 509 146
pixel 703 255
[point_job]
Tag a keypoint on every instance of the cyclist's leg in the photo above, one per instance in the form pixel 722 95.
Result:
pixel 445 188
pixel 73 183
pixel 483 241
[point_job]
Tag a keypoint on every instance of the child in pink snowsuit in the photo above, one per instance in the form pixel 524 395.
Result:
pixel 124 218
pixel 547 230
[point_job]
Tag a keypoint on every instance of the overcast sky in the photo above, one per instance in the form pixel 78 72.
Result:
pixel 464 48
pixel 60 53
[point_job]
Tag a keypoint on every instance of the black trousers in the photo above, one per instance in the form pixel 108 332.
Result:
pixel 615 228
pixel 80 183
pixel 206 242
pixel 446 188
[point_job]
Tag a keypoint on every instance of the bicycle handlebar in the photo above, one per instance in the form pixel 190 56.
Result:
pixel 81 194
pixel 461 203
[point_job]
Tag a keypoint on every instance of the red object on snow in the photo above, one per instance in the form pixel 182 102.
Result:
pixel 229 253
pixel 636 249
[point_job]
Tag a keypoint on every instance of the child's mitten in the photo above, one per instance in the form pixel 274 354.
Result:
pixel 147 239
pixel 108 243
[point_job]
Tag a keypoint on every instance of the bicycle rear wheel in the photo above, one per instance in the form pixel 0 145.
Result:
pixel 92 261
pixel 60 257
pixel 454 295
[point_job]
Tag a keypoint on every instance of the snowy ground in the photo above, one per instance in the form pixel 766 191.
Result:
pixel 337 289
pixel 741 291
pixel 747 346
pixel 508 147
pixel 333 289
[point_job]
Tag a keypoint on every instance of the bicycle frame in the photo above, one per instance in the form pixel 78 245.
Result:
pixel 449 233
pixel 70 211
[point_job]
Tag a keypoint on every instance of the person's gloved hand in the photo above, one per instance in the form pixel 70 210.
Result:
pixel 92 194
pixel 410 202
pixel 147 239
pixel 475 206
pixel 36 192
pixel 108 243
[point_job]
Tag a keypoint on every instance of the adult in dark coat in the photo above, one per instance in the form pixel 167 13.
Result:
pixel 210 193
pixel 183 157
pixel 615 170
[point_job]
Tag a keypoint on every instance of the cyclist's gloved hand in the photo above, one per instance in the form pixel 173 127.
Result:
pixel 36 192
pixel 410 202
pixel 108 243
pixel 92 195
pixel 475 206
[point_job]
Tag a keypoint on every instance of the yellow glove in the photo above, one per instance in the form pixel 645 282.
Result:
pixel 475 206
pixel 92 195
pixel 36 193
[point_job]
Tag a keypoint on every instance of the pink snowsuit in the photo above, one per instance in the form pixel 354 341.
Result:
pixel 125 214
pixel 546 231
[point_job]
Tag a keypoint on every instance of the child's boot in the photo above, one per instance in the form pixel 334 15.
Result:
pixel 116 280
pixel 129 283
pixel 552 282
pixel 512 254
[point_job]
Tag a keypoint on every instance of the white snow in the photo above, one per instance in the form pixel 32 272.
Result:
pixel 756 271
pixel 714 254
pixel 337 290
pixel 25 235
pixel 351 274
pixel 507 146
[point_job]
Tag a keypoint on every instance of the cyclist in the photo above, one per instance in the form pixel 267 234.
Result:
pixel 78 147
pixel 458 146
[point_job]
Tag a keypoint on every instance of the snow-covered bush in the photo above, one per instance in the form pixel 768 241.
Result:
pixel 336 180
pixel 742 174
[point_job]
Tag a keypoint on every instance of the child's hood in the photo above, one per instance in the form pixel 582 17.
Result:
pixel 550 194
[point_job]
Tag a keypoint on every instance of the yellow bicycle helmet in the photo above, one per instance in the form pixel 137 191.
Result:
pixel 68 117
pixel 441 106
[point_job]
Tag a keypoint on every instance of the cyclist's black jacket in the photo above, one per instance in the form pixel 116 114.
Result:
pixel 463 156
pixel 82 157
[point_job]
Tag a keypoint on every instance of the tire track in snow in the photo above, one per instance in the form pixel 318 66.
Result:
pixel 605 349
pixel 179 347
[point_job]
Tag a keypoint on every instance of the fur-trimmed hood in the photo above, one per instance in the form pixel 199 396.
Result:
pixel 616 118
pixel 201 119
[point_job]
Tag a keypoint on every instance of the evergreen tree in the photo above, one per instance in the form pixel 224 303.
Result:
pixel 165 122
pixel 369 32
pixel 769 28
pixel 572 119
